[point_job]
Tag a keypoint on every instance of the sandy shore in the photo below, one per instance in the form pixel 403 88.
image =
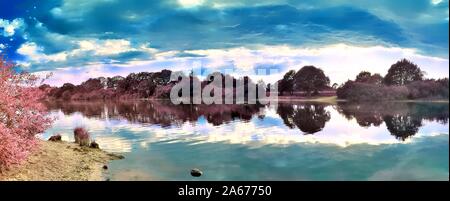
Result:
pixel 61 161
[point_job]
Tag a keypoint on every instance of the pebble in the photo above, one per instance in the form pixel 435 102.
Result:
pixel 196 172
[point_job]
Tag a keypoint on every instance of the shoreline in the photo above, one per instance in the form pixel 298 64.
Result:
pixel 323 99
pixel 61 161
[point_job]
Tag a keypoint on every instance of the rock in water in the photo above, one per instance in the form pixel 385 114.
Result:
pixel 196 172
pixel 94 145
pixel 55 138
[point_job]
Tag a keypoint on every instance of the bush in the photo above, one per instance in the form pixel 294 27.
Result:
pixel 81 136
pixel 21 115
pixel 358 92
pixel 365 92
pixel 343 91
pixel 368 87
pixel 395 93
pixel 428 89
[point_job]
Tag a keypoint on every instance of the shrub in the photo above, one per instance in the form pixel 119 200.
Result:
pixel 365 92
pixel 428 89
pixel 395 92
pixel 404 81
pixel 81 136
pixel 21 115
pixel 358 92
pixel 343 91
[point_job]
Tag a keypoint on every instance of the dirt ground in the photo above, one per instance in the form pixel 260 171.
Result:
pixel 61 161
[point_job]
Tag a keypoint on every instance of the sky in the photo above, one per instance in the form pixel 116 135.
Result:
pixel 80 39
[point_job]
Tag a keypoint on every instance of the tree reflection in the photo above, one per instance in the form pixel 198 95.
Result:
pixel 402 120
pixel 365 115
pixel 309 118
pixel 163 113
pixel 403 126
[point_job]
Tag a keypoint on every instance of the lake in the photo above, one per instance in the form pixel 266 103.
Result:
pixel 290 141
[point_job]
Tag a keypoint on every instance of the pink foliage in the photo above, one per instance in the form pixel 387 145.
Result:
pixel 21 115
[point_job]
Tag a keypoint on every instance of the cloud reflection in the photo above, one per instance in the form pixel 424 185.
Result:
pixel 120 127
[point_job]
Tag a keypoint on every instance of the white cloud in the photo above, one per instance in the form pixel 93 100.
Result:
pixel 2 47
pixel 10 27
pixel 35 53
pixel 435 2
pixel 339 61
pixel 251 133
pixel 104 47
pixel 190 3
pixel 23 64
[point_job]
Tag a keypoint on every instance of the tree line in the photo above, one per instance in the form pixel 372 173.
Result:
pixel 138 86
pixel 404 80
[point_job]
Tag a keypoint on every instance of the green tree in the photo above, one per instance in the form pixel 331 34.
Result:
pixel 403 72
pixel 335 85
pixel 367 77
pixel 363 76
pixel 287 83
pixel 310 79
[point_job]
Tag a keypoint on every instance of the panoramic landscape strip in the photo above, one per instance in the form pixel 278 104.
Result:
pixel 224 90
pixel 404 81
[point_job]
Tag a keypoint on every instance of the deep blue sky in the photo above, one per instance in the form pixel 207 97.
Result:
pixel 106 37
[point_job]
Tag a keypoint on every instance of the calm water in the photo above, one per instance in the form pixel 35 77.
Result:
pixel 294 141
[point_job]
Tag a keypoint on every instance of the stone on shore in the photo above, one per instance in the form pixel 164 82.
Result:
pixel 94 145
pixel 55 138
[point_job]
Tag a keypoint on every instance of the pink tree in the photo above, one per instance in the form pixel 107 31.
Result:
pixel 21 115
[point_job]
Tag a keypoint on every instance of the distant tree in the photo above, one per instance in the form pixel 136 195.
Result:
pixel 367 77
pixel 113 82
pixel 310 79
pixel 429 88
pixel 65 91
pixel 269 87
pixel 287 83
pixel 376 79
pixel 403 72
pixel 344 90
pixel 363 76
pixel 92 84
pixel 163 77
pixel 444 89
pixel 335 85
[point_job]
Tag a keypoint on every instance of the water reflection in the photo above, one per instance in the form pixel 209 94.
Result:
pixel 402 120
pixel 158 112
pixel 309 118
pixel 294 141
